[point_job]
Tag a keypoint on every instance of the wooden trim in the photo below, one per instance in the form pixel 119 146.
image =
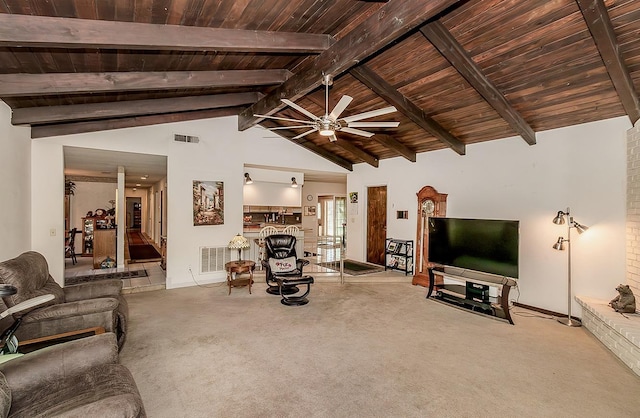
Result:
pixel 449 47
pixel 383 89
pixel 95 330
pixel 12 85
pixel 391 21
pixel 55 32
pixel 54 114
pixel 311 146
pixel 358 152
pixel 597 18
pixel 395 145
pixel 543 311
pixel 56 129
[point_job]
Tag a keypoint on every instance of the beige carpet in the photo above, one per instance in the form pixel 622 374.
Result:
pixel 362 350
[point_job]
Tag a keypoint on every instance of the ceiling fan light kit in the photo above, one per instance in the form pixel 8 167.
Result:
pixel 328 124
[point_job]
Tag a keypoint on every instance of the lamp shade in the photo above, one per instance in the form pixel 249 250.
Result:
pixel 559 245
pixel 238 243
pixel 559 219
pixel 580 228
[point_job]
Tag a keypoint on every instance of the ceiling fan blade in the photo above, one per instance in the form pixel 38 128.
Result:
pixel 373 124
pixel 357 132
pixel 304 134
pixel 289 127
pixel 287 119
pixel 370 114
pixel 300 109
pixel 340 106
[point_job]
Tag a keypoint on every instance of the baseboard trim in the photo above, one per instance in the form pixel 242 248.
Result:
pixel 543 311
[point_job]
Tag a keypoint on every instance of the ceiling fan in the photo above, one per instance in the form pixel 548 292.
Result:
pixel 331 122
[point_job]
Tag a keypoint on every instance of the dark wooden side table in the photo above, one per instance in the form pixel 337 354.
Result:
pixel 239 267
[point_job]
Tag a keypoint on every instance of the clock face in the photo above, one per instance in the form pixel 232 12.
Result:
pixel 309 197
pixel 428 207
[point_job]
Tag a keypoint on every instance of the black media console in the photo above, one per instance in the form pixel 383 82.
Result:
pixel 473 291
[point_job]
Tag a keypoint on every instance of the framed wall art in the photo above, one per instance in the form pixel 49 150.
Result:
pixel 208 203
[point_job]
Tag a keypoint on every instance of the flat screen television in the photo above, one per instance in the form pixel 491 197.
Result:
pixel 485 245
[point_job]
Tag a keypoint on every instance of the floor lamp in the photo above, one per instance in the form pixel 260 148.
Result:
pixel 559 245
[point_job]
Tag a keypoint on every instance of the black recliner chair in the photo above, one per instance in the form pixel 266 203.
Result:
pixel 283 269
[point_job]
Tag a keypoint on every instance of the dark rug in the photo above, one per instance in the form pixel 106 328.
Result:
pixel 143 252
pixel 133 274
pixel 134 237
pixel 353 268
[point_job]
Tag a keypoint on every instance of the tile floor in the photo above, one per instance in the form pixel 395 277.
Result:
pixel 155 275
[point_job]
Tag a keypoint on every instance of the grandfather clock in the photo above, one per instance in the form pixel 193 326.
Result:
pixel 430 204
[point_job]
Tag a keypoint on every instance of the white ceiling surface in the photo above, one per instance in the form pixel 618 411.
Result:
pixel 86 162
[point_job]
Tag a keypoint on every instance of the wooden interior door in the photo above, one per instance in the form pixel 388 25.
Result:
pixel 376 224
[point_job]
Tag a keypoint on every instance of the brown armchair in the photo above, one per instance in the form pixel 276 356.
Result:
pixel 80 378
pixel 73 308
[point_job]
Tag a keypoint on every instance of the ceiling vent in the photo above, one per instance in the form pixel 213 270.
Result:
pixel 186 138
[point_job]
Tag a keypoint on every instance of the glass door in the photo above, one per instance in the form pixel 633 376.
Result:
pixel 332 212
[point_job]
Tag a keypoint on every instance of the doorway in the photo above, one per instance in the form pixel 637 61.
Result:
pixel 331 218
pixel 134 213
pixel 376 224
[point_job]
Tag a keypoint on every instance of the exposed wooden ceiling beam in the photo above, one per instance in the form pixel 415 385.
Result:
pixel 43 131
pixel 54 32
pixel 391 21
pixel 358 152
pixel 397 146
pixel 304 143
pixel 451 49
pixel 12 85
pixel 599 23
pixel 385 90
pixel 55 114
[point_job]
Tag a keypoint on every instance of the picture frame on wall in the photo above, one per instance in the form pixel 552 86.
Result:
pixel 208 203
pixel 309 211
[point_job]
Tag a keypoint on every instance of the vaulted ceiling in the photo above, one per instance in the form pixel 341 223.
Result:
pixel 458 72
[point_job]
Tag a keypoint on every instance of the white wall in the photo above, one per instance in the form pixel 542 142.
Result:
pixel 219 156
pixel 581 167
pixel 15 187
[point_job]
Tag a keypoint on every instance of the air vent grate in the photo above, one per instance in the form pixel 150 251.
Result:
pixel 186 138
pixel 213 259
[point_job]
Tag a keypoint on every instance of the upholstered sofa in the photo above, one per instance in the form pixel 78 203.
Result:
pixel 76 307
pixel 80 378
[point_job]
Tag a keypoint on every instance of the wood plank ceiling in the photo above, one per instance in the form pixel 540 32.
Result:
pixel 458 72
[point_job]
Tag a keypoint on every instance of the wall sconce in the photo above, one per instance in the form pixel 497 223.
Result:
pixel 559 245
pixel 294 183
pixel 247 179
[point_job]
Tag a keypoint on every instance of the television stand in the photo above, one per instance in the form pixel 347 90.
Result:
pixel 474 293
